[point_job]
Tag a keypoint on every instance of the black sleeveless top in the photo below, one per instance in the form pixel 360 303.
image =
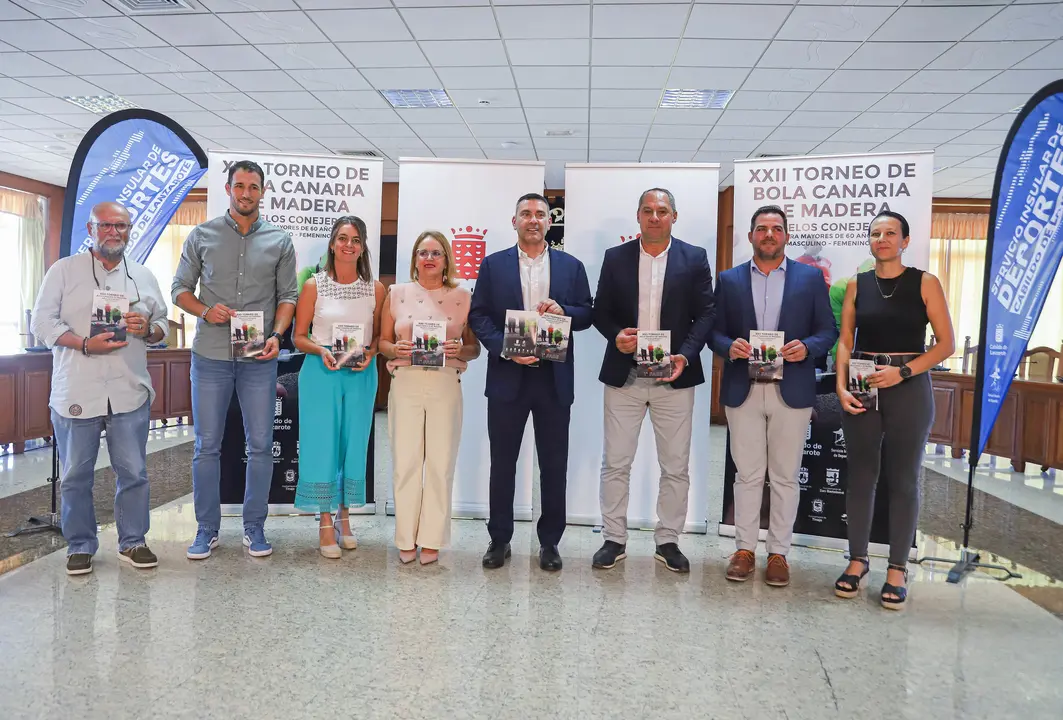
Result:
pixel 893 318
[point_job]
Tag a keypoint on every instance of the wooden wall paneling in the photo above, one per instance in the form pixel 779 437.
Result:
pixel 1036 427
pixel 942 431
pixel 157 373
pixel 8 385
pixel 36 391
pixel 179 387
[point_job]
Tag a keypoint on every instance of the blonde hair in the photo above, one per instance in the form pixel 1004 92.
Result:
pixel 449 270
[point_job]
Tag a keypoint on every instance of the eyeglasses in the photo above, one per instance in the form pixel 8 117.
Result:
pixel 106 226
pixel 429 254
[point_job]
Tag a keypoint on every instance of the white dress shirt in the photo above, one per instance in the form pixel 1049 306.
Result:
pixel 534 277
pixel 651 286
pixel 85 386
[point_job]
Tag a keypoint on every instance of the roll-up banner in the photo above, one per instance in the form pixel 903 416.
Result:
pixel 1023 249
pixel 140 159
pixel 303 194
pixel 601 211
pixel 472 202
pixel 830 202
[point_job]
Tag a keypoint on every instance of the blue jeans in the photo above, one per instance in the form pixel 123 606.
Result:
pixel 213 382
pixel 127 443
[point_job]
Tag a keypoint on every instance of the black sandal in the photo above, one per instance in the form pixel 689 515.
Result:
pixel 848 586
pixel 901 592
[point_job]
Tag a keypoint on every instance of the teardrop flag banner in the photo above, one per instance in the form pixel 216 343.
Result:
pixel 1023 251
pixel 140 159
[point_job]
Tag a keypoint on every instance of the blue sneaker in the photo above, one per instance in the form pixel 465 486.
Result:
pixel 206 540
pixel 255 541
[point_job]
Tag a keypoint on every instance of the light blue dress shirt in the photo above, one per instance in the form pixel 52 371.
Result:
pixel 767 295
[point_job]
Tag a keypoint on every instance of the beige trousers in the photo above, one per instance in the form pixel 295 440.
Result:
pixel 424 423
pixel 767 438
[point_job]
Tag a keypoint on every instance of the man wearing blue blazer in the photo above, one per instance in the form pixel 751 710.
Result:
pixel 768 418
pixel 656 283
pixel 528 276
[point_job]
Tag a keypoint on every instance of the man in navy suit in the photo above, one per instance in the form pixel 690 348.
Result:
pixel 768 418
pixel 528 276
pixel 656 283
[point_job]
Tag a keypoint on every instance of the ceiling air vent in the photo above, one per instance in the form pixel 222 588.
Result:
pixel 772 155
pixel 359 153
pixel 154 7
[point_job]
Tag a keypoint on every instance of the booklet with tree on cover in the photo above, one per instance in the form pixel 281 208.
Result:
pixel 429 337
pixel 518 337
pixel 108 307
pixel 653 354
pixel 860 386
pixel 765 359
pixel 245 334
pixel 348 344
pixel 552 337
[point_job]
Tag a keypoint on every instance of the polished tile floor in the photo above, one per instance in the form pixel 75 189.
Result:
pixel 298 636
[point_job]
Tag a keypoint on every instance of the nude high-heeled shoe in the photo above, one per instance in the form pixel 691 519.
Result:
pixel 332 552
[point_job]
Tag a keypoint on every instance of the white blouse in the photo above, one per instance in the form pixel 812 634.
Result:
pixel 339 303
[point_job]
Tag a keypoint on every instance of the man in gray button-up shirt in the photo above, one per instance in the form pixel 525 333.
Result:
pixel 240 263
pixel 100 382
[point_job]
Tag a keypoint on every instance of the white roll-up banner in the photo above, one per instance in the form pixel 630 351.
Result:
pixel 601 211
pixel 472 202
pixel 830 202
pixel 303 194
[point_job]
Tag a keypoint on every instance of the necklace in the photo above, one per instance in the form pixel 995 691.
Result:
pixel 879 285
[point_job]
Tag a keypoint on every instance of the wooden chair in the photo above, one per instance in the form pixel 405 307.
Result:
pixel 175 338
pixel 970 357
pixel 1040 364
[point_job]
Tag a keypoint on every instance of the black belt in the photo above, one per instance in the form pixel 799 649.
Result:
pixel 766 381
pixel 885 358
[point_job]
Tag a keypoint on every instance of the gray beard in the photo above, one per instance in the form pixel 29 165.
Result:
pixel 111 253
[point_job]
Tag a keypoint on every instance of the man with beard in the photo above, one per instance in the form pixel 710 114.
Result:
pixel 768 418
pixel 99 384
pixel 528 276
pixel 240 263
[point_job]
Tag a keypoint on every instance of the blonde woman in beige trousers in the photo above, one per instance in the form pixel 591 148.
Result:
pixel 425 404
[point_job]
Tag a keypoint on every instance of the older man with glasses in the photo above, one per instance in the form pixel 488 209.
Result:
pixel 100 382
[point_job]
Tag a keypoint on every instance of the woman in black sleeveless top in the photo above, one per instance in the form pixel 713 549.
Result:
pixel 886 312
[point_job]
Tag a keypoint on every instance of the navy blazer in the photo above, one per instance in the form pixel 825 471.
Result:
pixel 498 290
pixel 687 307
pixel 805 315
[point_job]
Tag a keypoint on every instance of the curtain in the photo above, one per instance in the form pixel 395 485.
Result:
pixel 166 254
pixel 957 257
pixel 30 256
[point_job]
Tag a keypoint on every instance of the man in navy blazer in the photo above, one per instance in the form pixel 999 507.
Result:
pixel 768 417
pixel 656 283
pixel 528 276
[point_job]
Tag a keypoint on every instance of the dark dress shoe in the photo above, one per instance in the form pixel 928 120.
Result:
pixel 608 555
pixel 549 558
pixel 672 558
pixel 496 555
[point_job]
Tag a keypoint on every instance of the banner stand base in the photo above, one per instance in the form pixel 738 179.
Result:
pixel 473 511
pixel 819 542
pixel 968 563
pixel 237 510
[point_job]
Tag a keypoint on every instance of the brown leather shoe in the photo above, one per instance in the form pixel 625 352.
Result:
pixel 777 573
pixel 742 565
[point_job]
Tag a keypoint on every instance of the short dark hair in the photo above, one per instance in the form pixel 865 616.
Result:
pixel 534 196
pixel 896 216
pixel 249 166
pixel 671 197
pixel 769 210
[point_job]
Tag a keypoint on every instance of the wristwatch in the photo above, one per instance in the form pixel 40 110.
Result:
pixel 274 335
pixel 906 372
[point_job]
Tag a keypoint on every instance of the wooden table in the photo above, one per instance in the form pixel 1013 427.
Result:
pixel 26 382
pixel 1028 429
